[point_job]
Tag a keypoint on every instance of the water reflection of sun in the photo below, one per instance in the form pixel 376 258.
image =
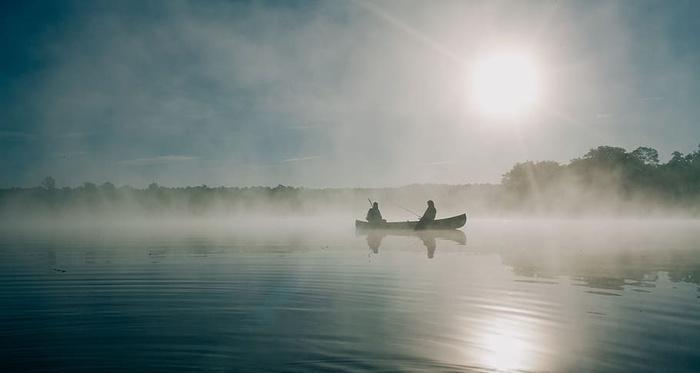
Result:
pixel 507 344
pixel 504 350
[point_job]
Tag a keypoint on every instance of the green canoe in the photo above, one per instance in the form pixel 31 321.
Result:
pixel 454 222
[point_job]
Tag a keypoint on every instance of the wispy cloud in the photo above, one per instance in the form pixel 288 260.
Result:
pixel 301 159
pixel 163 159
pixel 302 128
pixel 436 163
pixel 290 90
pixel 15 134
pixel 68 155
pixel 315 125
pixel 73 135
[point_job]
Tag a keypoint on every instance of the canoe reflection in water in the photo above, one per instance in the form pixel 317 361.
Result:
pixel 375 237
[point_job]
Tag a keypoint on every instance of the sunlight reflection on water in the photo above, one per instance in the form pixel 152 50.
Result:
pixel 495 299
pixel 507 344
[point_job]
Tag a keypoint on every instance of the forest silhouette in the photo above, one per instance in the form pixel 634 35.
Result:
pixel 607 175
pixel 606 180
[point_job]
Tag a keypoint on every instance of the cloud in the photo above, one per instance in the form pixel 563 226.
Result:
pixel 73 135
pixel 15 135
pixel 436 163
pixel 163 159
pixel 373 86
pixel 68 155
pixel 300 159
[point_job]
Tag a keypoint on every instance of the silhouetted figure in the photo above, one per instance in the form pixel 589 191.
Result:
pixel 373 215
pixel 429 242
pixel 428 216
pixel 374 240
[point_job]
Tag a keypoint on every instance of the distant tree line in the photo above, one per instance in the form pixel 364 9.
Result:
pixel 106 199
pixel 606 180
pixel 607 176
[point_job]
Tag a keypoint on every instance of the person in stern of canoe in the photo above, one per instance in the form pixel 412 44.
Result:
pixel 373 215
pixel 428 216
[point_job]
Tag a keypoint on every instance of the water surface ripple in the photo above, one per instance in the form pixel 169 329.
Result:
pixel 527 301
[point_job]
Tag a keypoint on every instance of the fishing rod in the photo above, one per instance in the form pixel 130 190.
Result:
pixel 397 205
pixel 403 208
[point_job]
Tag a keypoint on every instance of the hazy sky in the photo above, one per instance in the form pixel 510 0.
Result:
pixel 331 93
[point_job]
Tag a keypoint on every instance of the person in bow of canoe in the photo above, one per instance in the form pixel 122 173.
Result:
pixel 373 215
pixel 428 216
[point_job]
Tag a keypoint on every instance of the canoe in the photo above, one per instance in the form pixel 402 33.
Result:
pixel 454 222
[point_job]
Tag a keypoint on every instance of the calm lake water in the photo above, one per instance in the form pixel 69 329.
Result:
pixel 555 296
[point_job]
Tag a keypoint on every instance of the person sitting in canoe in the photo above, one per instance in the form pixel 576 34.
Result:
pixel 428 216
pixel 373 215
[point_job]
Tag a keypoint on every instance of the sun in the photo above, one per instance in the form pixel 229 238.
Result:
pixel 505 84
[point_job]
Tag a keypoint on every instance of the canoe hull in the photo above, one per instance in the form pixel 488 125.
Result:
pixel 454 222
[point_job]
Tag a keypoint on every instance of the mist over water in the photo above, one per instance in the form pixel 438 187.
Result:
pixel 303 295
pixel 179 182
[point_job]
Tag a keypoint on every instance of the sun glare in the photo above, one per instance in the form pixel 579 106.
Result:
pixel 510 343
pixel 505 84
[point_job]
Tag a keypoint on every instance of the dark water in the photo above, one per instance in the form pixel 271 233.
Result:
pixel 569 296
